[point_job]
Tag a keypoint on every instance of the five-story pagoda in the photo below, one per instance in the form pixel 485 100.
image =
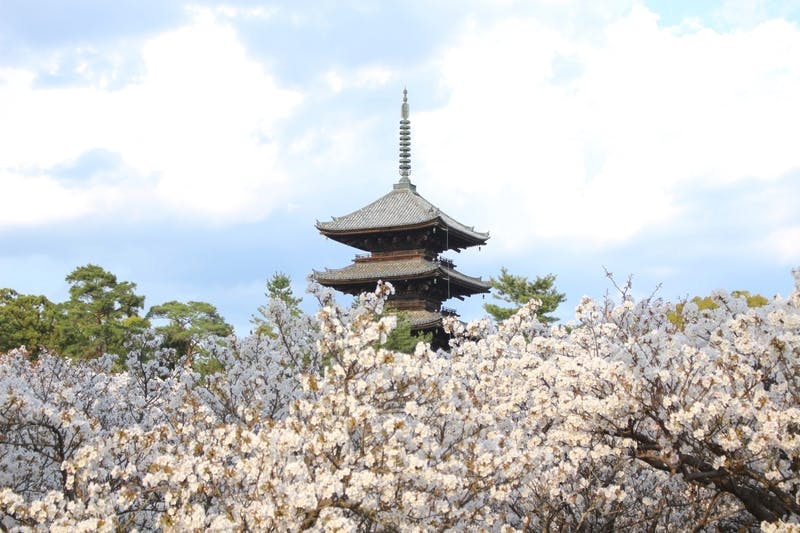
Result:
pixel 405 235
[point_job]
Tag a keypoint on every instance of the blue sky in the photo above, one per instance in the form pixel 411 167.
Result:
pixel 189 147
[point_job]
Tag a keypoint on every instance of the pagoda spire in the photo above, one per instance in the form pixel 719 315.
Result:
pixel 405 146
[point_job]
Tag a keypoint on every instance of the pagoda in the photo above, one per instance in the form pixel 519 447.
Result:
pixel 405 234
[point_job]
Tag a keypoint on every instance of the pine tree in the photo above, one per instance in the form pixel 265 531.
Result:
pixel 517 290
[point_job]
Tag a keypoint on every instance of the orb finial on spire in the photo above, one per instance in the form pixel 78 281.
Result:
pixel 405 144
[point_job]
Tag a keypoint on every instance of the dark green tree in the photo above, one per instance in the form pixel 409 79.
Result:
pixel 188 325
pixel 401 339
pixel 279 287
pixel 100 315
pixel 518 290
pixel 26 320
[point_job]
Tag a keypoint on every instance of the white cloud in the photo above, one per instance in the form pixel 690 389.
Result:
pixel 233 12
pixel 200 121
pixel 784 245
pixel 373 76
pixel 365 77
pixel 545 135
pixel 324 147
pixel 34 200
pixel 334 81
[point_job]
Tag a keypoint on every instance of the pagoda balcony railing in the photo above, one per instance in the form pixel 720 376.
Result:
pixel 391 255
pixel 447 263
pixel 446 311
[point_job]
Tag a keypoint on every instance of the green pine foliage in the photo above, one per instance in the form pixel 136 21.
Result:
pixel 279 287
pixel 188 325
pixel 518 290
pixel 27 320
pixel 402 339
pixel 100 315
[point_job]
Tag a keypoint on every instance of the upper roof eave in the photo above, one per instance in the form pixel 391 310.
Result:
pixel 475 236
pixel 398 210
pixel 402 269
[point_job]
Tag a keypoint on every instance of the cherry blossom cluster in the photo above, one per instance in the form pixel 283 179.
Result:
pixel 623 420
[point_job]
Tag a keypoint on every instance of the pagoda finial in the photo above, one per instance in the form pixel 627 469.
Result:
pixel 405 144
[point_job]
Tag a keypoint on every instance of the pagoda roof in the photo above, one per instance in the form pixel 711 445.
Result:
pixel 401 209
pixel 420 319
pixel 400 269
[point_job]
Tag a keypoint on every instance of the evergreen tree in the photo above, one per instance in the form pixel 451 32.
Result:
pixel 279 288
pixel 401 339
pixel 100 314
pixel 189 324
pixel 26 320
pixel 518 291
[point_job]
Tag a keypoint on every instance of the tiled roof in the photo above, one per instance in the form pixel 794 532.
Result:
pixel 388 270
pixel 420 319
pixel 401 207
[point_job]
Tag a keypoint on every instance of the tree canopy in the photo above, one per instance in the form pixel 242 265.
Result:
pixel 401 338
pixel 622 423
pixel 27 320
pixel 279 289
pixel 188 325
pixel 100 316
pixel 518 291
pixel 100 313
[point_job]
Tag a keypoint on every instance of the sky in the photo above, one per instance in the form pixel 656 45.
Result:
pixel 190 146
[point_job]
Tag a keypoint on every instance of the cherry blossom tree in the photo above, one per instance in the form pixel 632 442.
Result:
pixel 622 421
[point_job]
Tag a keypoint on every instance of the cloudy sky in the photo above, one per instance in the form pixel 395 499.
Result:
pixel 190 147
